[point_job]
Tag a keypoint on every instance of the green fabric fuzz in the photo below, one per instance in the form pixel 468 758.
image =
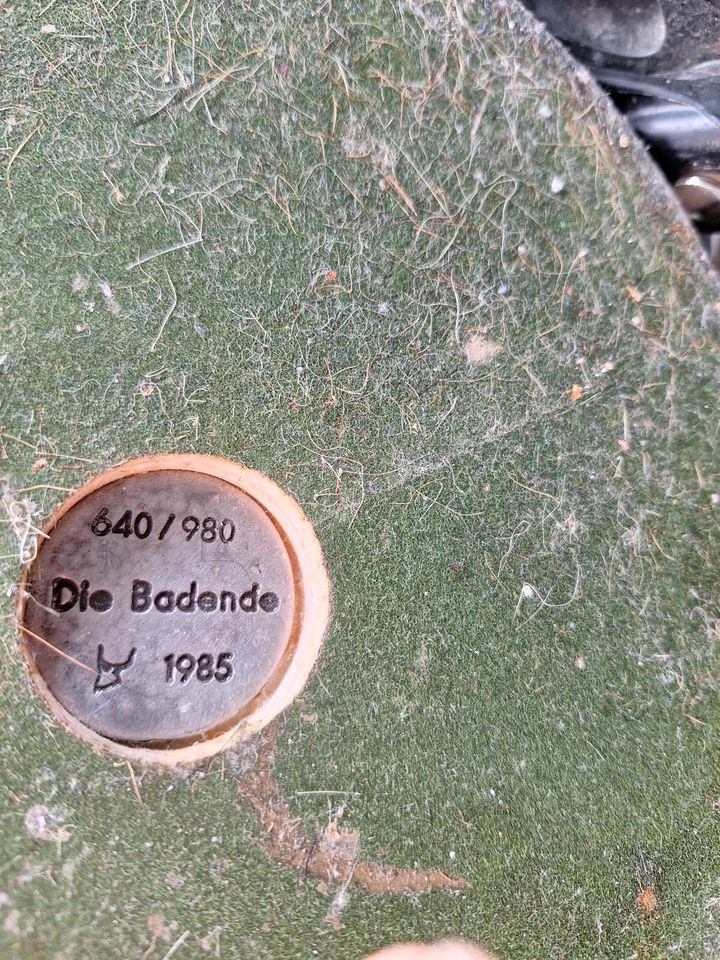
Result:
pixel 278 234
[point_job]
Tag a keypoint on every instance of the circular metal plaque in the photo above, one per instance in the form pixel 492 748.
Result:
pixel 169 603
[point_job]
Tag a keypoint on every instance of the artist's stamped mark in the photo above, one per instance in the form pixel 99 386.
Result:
pixel 109 674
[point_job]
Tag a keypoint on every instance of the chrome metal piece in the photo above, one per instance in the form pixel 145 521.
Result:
pixel 699 192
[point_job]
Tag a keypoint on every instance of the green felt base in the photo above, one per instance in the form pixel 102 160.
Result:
pixel 404 261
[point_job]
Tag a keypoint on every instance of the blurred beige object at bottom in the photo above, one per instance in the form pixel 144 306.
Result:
pixel 444 950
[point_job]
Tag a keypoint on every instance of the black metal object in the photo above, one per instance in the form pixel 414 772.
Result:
pixel 660 62
pixel 678 116
pixel 625 28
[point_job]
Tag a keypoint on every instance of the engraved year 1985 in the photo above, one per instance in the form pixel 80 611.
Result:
pixel 205 667
pixel 141 525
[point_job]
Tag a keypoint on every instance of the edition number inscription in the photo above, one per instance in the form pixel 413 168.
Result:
pixel 140 525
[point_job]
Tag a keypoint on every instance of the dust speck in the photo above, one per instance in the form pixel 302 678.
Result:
pixel 355 146
pixel 157 928
pixel 111 304
pixel 583 76
pixel 647 902
pixel 479 350
pixel 44 824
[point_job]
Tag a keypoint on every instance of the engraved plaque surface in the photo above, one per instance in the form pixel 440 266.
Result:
pixel 160 606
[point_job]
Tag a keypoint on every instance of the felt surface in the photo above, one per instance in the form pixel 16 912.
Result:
pixel 405 261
